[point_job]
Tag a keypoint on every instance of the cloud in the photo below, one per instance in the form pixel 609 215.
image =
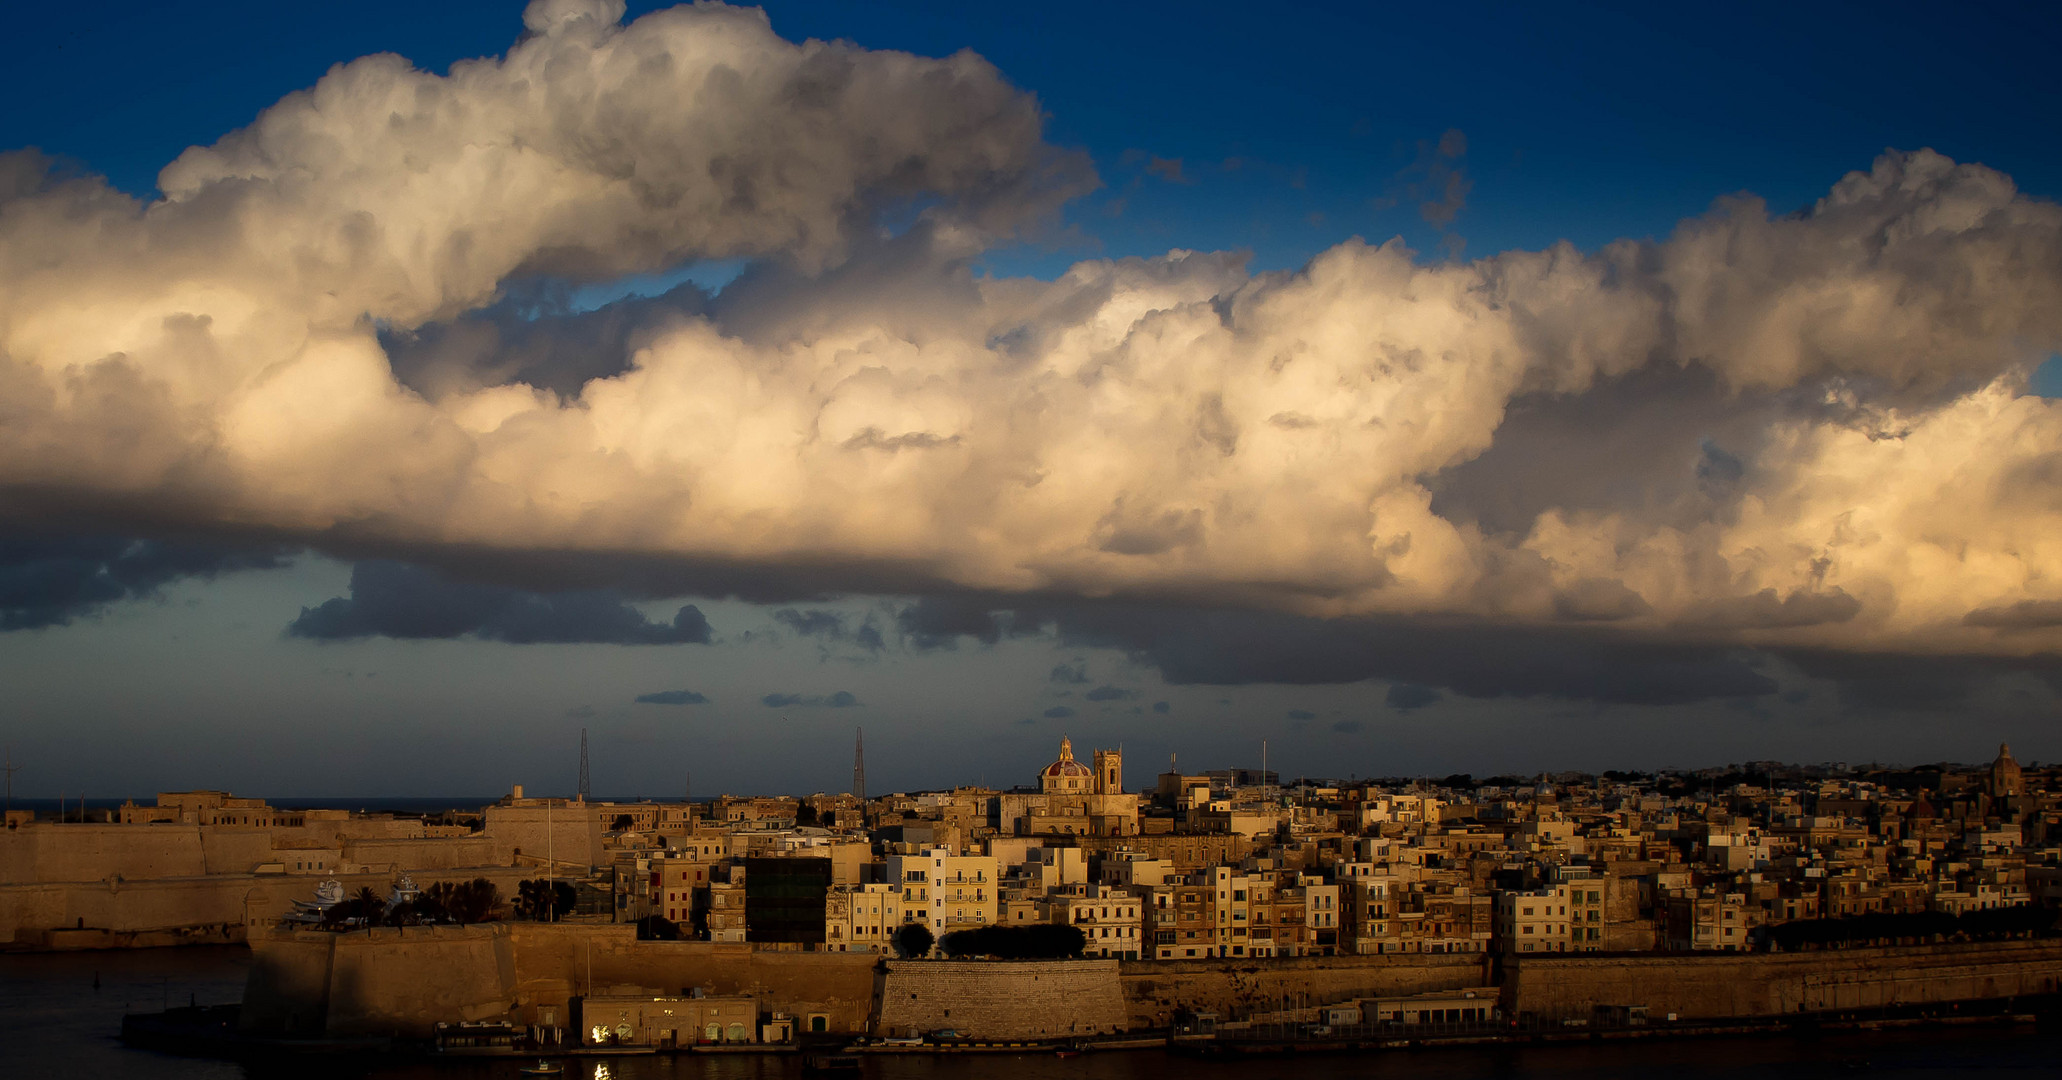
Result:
pixel 1074 674
pixel 672 697
pixel 1795 431
pixel 50 580
pixel 1162 707
pixel 1348 727
pixel 842 699
pixel 1110 693
pixel 1301 714
pixel 400 601
pixel 1058 712
pixel 1437 180
pixel 833 626
pixel 2024 615
pixel 1168 169
pixel 1404 697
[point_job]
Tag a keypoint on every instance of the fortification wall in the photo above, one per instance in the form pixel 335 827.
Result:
pixel 45 852
pixel 215 908
pixel 1154 990
pixel 402 981
pixel 556 962
pixel 1711 986
pixel 1001 999
pixel 287 990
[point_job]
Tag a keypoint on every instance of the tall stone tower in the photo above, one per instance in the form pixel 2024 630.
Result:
pixel 1109 772
pixel 2005 778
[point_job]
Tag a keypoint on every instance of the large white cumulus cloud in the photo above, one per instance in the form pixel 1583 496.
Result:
pixel 1164 427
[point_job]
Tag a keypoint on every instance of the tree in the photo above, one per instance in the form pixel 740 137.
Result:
pixel 622 823
pixel 805 814
pixel 914 940
pixel 463 902
pixel 545 900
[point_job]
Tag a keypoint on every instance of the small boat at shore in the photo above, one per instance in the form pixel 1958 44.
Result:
pixel 543 1068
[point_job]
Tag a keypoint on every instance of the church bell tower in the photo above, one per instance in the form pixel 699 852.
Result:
pixel 1109 772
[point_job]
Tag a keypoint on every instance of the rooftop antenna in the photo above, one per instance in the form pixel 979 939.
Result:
pixel 583 765
pixel 10 769
pixel 859 767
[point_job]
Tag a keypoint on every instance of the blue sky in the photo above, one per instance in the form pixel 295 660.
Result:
pixel 1585 122
pixel 1276 131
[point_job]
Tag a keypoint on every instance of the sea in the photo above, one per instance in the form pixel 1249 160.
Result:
pixel 61 1016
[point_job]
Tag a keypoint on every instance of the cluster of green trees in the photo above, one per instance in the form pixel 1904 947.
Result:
pixel 1043 941
pixel 1991 924
pixel 459 902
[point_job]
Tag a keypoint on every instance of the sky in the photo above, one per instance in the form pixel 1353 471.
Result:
pixel 389 393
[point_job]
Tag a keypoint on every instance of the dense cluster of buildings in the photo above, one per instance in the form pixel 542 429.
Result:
pixel 1223 864
pixel 1234 864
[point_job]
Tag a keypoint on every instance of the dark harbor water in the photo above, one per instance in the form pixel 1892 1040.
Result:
pixel 54 1022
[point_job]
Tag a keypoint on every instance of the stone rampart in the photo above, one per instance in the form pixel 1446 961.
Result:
pixel 1002 1000
pixel 1713 986
pixel 403 981
pixel 1154 990
pixel 385 981
pixel 556 962
pixel 211 909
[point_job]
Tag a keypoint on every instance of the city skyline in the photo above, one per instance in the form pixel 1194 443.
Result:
pixel 1412 396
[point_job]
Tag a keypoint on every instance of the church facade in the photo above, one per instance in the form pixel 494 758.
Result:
pixel 1074 799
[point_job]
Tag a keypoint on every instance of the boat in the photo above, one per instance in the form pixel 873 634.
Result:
pixel 543 1068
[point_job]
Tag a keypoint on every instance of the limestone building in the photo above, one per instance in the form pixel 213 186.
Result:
pixel 1073 799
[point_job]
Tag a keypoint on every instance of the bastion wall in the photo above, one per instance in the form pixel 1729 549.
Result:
pixel 1001 1000
pixel 1154 990
pixel 1716 986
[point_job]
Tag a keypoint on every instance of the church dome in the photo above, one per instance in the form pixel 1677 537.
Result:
pixel 1067 766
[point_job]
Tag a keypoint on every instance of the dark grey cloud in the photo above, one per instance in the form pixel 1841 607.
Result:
pixel 832 626
pixel 842 699
pixel 672 697
pixel 1162 707
pixel 1407 696
pixel 1074 674
pixel 1058 712
pixel 1766 610
pixel 1110 693
pixel 1471 658
pixel 533 335
pixel 396 600
pixel 50 580
pixel 1348 727
pixel 2024 615
pixel 1301 714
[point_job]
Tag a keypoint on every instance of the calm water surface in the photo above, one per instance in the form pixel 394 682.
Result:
pixel 55 1023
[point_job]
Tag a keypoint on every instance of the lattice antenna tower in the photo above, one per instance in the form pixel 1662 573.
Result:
pixel 859 767
pixel 584 790
pixel 11 768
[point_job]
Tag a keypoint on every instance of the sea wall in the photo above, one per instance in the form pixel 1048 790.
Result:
pixel 556 962
pixel 1712 986
pixel 1001 1000
pixel 386 981
pixel 1154 990
pixel 403 981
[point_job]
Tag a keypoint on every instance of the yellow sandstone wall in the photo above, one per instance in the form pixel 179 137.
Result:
pixel 1155 989
pixel 1727 986
pixel 1001 1000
